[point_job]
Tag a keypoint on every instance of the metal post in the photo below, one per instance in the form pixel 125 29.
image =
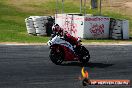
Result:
pixel 56 12
pixel 80 6
pixel 100 11
pixel 111 5
pixel 56 6
pixel 84 7
pixel 62 6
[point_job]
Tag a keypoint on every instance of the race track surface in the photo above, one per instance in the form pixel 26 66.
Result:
pixel 30 67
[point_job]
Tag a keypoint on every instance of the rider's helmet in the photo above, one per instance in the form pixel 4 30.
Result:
pixel 57 30
pixel 55 27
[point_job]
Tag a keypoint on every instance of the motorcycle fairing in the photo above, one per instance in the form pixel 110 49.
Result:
pixel 60 41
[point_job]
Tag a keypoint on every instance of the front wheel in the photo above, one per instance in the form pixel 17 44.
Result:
pixel 84 55
pixel 85 59
pixel 56 56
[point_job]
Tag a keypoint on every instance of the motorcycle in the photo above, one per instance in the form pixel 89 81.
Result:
pixel 61 50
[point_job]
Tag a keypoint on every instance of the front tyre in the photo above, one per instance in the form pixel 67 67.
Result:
pixel 85 59
pixel 56 56
pixel 84 55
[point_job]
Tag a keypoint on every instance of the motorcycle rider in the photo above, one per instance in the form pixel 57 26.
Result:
pixel 57 30
pixel 69 38
pixel 75 42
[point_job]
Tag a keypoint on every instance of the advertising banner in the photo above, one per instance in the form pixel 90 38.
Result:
pixel 84 26
pixel 96 27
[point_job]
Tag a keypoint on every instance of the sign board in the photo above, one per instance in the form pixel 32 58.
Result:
pixel 84 26
pixel 96 27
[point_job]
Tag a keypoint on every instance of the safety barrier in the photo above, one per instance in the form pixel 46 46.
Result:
pixel 88 26
pixel 119 29
pixel 38 25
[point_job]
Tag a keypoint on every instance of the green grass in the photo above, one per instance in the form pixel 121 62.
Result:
pixel 12 25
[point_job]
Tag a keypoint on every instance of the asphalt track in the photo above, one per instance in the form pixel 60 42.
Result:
pixel 30 67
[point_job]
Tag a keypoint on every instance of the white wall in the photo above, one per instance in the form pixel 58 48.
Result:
pixel 84 26
pixel 96 27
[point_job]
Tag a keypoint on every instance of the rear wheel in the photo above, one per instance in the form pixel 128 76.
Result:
pixel 56 56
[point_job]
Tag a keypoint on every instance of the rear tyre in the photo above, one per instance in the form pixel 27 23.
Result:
pixel 56 56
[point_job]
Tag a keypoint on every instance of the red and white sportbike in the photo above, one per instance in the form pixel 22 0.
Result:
pixel 61 50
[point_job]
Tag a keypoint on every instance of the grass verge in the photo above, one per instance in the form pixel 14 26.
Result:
pixel 12 25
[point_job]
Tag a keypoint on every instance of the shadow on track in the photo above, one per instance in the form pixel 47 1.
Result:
pixel 91 65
